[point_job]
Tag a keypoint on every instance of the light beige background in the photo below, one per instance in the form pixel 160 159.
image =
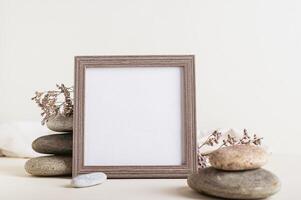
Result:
pixel 247 54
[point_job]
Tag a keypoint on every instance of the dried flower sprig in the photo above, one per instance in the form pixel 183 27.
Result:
pixel 55 102
pixel 202 161
pixel 214 138
pixel 231 140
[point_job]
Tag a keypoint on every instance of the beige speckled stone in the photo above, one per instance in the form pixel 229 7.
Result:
pixel 60 123
pixel 238 157
pixel 49 166
pixel 59 144
pixel 251 184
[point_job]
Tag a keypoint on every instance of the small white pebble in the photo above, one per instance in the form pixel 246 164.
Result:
pixel 87 180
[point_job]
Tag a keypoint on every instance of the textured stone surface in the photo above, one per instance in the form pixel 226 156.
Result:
pixel 49 166
pixel 87 180
pixel 251 184
pixel 60 123
pixel 60 144
pixel 238 157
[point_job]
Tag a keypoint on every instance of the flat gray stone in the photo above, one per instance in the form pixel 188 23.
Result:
pixel 59 144
pixel 251 184
pixel 87 180
pixel 49 166
pixel 60 123
pixel 238 157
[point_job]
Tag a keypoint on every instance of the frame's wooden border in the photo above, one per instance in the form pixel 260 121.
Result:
pixel 190 154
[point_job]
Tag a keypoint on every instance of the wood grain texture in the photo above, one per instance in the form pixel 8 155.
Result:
pixel 189 164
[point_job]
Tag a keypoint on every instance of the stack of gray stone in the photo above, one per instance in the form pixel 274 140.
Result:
pixel 57 148
pixel 236 173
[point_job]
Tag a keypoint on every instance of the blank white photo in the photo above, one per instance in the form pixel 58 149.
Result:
pixel 133 116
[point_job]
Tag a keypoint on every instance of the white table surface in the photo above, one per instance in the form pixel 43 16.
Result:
pixel 15 184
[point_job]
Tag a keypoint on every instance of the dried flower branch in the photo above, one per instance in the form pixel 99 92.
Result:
pixel 231 140
pixel 214 138
pixel 202 161
pixel 55 102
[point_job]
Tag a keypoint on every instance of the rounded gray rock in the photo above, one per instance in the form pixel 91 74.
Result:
pixel 49 166
pixel 59 144
pixel 60 123
pixel 238 157
pixel 251 184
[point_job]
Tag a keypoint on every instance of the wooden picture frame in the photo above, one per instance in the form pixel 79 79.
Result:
pixel 105 71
